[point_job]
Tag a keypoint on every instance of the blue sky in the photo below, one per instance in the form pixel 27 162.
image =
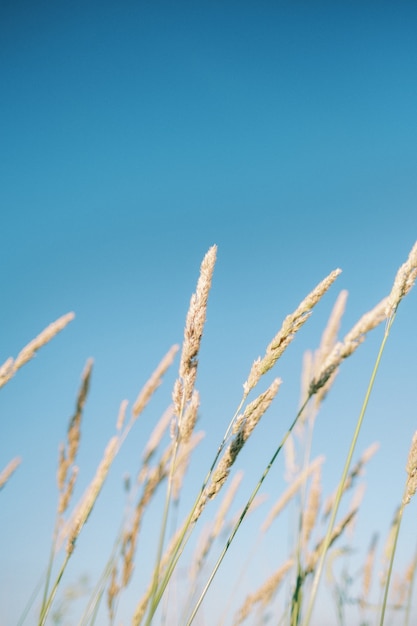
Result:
pixel 135 135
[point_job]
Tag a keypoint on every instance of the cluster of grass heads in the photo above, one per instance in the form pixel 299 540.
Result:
pixel 168 455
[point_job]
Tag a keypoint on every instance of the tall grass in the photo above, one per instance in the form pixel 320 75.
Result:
pixel 318 527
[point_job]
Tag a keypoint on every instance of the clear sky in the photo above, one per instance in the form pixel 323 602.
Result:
pixel 134 135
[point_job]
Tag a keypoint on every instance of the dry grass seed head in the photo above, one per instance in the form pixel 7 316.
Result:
pixel 188 421
pixel 404 280
pixel 157 434
pixel 154 381
pixel 193 331
pixel 10 367
pixel 291 491
pixel 368 568
pixel 311 511
pixel 388 548
pixel 210 534
pixel 343 349
pixel 83 510
pixel 286 334
pixel 353 474
pixel 264 594
pixel 337 531
pixel 121 417
pixel 182 463
pixel 66 494
pixel 9 470
pixel 411 468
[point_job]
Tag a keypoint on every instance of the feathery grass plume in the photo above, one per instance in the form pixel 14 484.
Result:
pixel 343 349
pixel 68 454
pixel 189 419
pixel 388 547
pixel 216 526
pixel 112 594
pixel 154 381
pixel 154 478
pixel 8 470
pixel 183 460
pixel 121 415
pixel 411 469
pixel 286 334
pixel 404 280
pixel 65 495
pixel 291 491
pixel 291 467
pixel 337 531
pixel 368 569
pixel 157 434
pixel 263 596
pixel 328 341
pixel 246 425
pixel 353 474
pixel 309 516
pixel 83 510
pixel 193 332
pixel 247 421
pixel 165 561
pixel 10 367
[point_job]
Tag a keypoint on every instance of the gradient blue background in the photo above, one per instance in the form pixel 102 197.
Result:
pixel 134 135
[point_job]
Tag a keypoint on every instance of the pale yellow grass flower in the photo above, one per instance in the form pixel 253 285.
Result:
pixel 356 471
pixel 337 531
pixel 264 595
pixel 246 424
pixel 9 470
pixel 328 341
pixel 66 495
pixel 291 491
pixel 389 547
pixel 286 334
pixel 404 280
pixel 247 421
pixel 291 467
pixel 157 434
pixel 154 381
pixel 343 349
pixel 182 462
pixel 368 568
pixel 211 533
pixel 411 469
pixel 312 508
pixel 10 367
pixel 67 455
pixel 121 415
pixel 83 510
pixel 189 418
pixel 193 332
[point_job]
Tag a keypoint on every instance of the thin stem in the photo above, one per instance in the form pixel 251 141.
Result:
pixel 327 539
